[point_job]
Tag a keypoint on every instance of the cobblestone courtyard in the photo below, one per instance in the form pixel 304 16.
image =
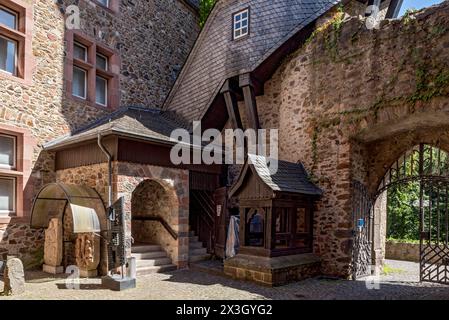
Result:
pixel 400 282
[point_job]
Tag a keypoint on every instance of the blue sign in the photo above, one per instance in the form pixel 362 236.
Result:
pixel 361 223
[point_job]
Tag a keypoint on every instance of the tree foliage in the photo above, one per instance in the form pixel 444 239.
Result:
pixel 403 204
pixel 205 9
pixel 403 214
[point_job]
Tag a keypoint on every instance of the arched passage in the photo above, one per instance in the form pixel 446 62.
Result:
pixel 155 216
pixel 414 191
pixel 74 218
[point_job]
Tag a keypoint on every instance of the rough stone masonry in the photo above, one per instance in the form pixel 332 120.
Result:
pixel 351 101
pixel 42 109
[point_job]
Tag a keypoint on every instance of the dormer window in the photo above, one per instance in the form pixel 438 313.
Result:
pixel 241 24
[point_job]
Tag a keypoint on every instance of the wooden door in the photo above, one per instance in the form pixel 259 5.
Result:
pixel 221 220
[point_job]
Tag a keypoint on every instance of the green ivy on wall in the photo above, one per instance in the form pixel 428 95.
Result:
pixel 431 75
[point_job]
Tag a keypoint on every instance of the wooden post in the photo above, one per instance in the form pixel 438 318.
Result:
pixel 249 95
pixel 232 105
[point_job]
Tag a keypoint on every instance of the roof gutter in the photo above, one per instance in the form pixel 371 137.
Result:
pixel 109 156
pixel 118 133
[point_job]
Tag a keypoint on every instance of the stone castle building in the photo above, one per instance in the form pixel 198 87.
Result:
pixel 123 53
pixel 95 107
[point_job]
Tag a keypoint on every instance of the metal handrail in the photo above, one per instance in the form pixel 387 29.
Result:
pixel 162 221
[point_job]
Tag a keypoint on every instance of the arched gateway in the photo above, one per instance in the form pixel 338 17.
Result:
pixel 427 167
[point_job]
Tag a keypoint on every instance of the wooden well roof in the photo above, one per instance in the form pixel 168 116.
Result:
pixel 289 178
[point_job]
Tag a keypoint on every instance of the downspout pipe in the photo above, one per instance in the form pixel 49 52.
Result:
pixel 111 215
pixel 109 156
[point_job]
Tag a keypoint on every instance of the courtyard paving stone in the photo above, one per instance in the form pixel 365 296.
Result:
pixel 401 283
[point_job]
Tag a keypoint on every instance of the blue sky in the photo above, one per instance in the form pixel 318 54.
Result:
pixel 417 4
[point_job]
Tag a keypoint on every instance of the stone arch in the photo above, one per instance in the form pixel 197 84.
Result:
pixel 392 176
pixel 378 156
pixel 154 203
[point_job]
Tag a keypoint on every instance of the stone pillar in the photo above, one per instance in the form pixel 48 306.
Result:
pixel 380 231
pixel 53 247
pixel 14 277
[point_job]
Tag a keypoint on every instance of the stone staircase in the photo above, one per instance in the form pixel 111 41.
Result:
pixel 197 252
pixel 151 258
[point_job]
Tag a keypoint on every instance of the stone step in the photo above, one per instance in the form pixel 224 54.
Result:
pixel 196 252
pixel 156 269
pixel 199 257
pixel 143 248
pixel 153 262
pixel 149 255
pixel 193 238
pixel 195 245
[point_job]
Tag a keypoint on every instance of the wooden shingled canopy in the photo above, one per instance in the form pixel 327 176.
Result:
pixel 276 208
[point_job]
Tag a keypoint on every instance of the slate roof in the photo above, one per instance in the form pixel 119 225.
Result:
pixel 215 57
pixel 194 3
pixel 139 122
pixel 289 177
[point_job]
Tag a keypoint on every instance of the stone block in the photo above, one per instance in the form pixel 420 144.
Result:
pixel 14 277
pixel 117 283
pixel 88 273
pixel 52 269
pixel 272 271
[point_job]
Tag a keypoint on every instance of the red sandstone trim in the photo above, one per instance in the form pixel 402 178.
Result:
pixel 93 46
pixel 113 8
pixel 25 59
pixel 25 148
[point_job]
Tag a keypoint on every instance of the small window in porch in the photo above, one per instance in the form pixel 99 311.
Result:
pixel 282 227
pixel 256 229
pixel 301 220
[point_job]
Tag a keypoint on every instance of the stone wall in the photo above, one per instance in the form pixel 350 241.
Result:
pixel 153 39
pixel 274 271
pixel 147 190
pixel 96 177
pixel 175 183
pixel 351 101
pixel 22 241
pixel 402 251
pixel 153 199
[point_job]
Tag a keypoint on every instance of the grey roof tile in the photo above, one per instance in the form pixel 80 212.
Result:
pixel 289 177
pixel 152 124
pixel 215 57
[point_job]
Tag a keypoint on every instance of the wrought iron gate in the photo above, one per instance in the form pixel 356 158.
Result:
pixel 434 251
pixel 363 216
pixel 428 168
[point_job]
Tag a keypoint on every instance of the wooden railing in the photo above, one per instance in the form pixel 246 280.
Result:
pixel 206 222
pixel 162 221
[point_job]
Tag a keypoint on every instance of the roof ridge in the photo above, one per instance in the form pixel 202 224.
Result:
pixel 111 116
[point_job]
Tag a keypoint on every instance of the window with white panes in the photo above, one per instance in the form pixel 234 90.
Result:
pixel 241 24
